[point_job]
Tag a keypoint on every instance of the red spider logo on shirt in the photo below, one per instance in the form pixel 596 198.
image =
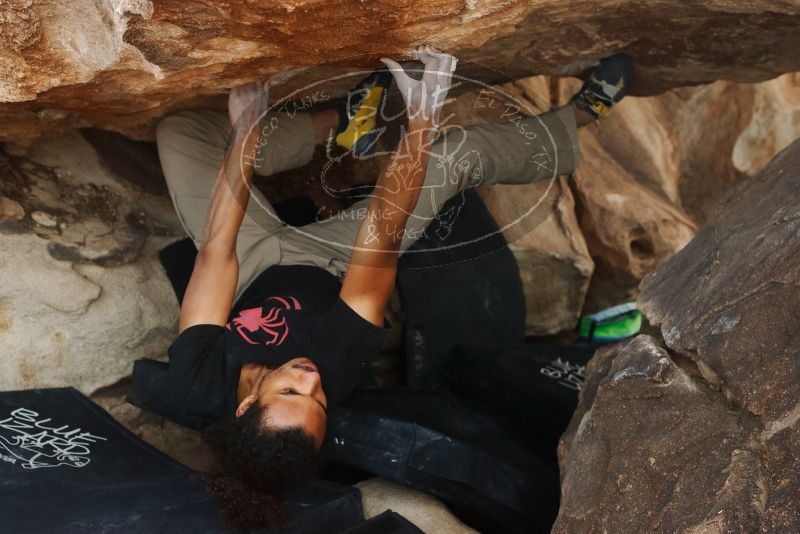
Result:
pixel 272 323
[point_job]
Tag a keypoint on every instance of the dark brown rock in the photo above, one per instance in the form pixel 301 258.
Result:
pixel 731 301
pixel 643 458
pixel 700 431
pixel 731 298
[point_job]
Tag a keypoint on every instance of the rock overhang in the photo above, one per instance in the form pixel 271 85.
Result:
pixel 121 65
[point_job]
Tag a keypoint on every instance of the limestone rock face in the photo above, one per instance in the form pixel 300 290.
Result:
pixel 83 293
pixel 691 145
pixel 708 411
pixel 119 64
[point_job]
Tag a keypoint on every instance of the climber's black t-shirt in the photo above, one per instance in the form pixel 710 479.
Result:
pixel 287 312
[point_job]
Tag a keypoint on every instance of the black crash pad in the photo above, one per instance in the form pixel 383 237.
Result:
pixel 431 441
pixel 323 507
pixel 67 466
pixel 534 385
pixel 458 284
pixel 388 522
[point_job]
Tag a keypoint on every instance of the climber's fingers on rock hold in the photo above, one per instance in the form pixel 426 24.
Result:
pixel 437 79
pixel 425 53
pixel 397 71
pixel 424 98
pixel 409 88
pixel 247 103
pixel 251 90
pixel 439 68
pixel 435 60
pixel 412 90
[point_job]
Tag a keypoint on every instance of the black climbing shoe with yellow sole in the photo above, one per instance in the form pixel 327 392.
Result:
pixel 609 82
pixel 358 116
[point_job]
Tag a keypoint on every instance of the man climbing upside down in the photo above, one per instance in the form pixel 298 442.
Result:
pixel 279 325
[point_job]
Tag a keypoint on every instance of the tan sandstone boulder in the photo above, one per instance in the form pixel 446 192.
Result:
pixel 83 294
pixel 119 64
pixel 659 166
pixel 650 173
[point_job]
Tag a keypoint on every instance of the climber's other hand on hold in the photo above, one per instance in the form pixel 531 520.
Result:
pixel 247 104
pixel 424 98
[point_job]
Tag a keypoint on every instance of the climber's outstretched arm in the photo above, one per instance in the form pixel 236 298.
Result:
pixel 212 287
pixel 370 276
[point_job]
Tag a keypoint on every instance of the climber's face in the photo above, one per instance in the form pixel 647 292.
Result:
pixel 294 396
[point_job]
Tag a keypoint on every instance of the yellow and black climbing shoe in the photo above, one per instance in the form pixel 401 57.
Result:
pixel 358 116
pixel 608 83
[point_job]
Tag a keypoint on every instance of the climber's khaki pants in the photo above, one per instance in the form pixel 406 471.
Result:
pixel 191 146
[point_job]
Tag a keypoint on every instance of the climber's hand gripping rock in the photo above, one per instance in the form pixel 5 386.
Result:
pixel 424 98
pixel 247 104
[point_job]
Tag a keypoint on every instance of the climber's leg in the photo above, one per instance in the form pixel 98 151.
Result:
pixel 523 151
pixel 605 87
pixel 191 147
pixel 534 148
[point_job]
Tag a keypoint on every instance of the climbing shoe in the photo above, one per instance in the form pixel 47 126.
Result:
pixel 358 116
pixel 611 324
pixel 608 83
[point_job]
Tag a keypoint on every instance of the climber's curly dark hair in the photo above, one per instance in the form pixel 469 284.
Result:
pixel 257 466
